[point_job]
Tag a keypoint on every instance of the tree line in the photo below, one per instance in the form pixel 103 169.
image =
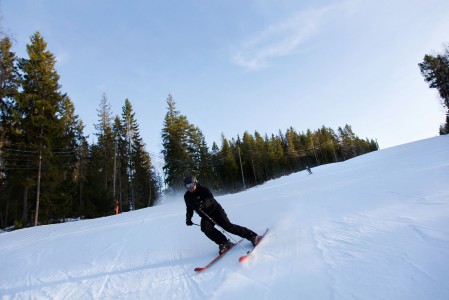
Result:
pixel 49 172
pixel 251 159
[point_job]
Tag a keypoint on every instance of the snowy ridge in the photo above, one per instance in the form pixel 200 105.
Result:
pixel 374 227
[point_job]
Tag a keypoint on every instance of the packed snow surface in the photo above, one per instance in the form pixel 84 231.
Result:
pixel 373 227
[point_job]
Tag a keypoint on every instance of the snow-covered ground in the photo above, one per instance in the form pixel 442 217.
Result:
pixel 374 227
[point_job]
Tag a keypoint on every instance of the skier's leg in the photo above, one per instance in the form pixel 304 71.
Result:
pixel 220 216
pixel 211 232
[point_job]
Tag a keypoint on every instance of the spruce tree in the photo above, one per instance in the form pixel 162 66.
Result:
pixel 199 152
pixel 229 168
pixel 435 70
pixel 105 141
pixel 291 141
pixel 69 157
pixel 313 147
pixel 277 156
pixel 260 154
pixel 328 140
pixel 215 163
pixel 99 180
pixel 9 82
pixel 175 143
pixel 141 178
pixel 249 158
pixel 37 117
pixel 9 85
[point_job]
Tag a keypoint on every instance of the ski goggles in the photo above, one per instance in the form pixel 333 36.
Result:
pixel 190 185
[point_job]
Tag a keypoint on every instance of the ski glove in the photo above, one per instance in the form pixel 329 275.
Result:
pixel 189 222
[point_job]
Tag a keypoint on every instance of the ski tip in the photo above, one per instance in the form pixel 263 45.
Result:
pixel 243 258
pixel 199 269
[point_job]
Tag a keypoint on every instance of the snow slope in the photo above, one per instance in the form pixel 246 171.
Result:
pixel 374 227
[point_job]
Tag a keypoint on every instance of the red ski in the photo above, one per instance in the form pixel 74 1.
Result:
pixel 200 269
pixel 245 257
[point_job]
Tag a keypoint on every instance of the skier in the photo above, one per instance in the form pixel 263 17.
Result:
pixel 200 199
pixel 308 170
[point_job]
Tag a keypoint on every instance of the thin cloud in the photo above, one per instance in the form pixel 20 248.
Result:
pixel 280 39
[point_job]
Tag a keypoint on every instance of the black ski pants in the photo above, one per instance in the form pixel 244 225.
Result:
pixel 220 217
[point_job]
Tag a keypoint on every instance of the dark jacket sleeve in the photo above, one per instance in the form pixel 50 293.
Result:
pixel 189 209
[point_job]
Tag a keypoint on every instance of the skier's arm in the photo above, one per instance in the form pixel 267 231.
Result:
pixel 189 213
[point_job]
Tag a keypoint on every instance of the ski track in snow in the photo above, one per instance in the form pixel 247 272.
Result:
pixel 374 227
pixel 354 242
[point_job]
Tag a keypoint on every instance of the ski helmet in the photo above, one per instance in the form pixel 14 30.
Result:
pixel 189 179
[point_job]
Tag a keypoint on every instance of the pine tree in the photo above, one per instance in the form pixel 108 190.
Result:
pixel 312 149
pixel 99 173
pixel 249 158
pixel 260 151
pixel 9 82
pixel 37 117
pixel 229 169
pixel 328 141
pixel 69 156
pixel 175 143
pixel 199 152
pixel 215 164
pixel 105 141
pixel 9 85
pixel 346 137
pixel 435 70
pixel 141 184
pixel 291 138
pixel 277 155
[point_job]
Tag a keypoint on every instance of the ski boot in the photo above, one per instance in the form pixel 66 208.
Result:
pixel 224 247
pixel 255 240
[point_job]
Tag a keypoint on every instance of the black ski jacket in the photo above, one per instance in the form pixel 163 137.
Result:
pixel 200 198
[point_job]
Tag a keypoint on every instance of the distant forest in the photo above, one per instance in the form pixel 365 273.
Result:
pixel 251 159
pixel 50 173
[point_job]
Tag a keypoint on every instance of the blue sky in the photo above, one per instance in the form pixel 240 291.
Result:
pixel 235 66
